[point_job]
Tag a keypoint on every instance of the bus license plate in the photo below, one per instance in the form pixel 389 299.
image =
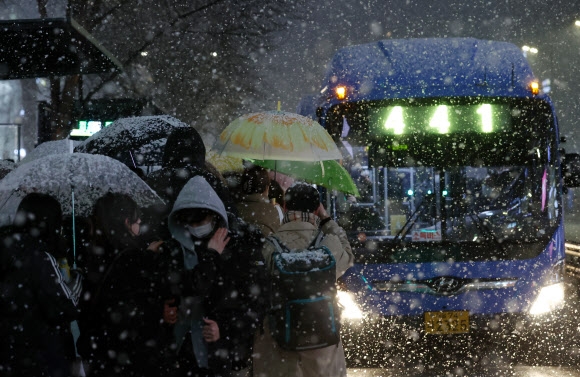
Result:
pixel 452 322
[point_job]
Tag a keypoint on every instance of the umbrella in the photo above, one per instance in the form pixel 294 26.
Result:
pixel 224 163
pixel 126 135
pixel 50 147
pixel 86 176
pixel 328 173
pixel 277 135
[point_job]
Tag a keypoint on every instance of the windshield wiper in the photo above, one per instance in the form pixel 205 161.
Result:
pixel 402 233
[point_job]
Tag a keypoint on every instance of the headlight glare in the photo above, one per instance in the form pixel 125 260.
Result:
pixel 550 298
pixel 350 309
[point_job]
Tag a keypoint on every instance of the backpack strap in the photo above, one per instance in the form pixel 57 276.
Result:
pixel 280 247
pixel 317 240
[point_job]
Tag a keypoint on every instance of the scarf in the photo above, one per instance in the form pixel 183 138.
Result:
pixel 302 216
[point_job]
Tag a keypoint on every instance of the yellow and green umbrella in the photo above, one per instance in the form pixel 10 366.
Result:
pixel 223 163
pixel 277 135
pixel 329 173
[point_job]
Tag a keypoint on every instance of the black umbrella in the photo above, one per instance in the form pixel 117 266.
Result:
pixel 125 136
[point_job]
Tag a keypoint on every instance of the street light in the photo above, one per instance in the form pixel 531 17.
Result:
pixel 577 23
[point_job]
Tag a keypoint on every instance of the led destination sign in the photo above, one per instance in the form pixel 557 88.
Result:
pixel 441 119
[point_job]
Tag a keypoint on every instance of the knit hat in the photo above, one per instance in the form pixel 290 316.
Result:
pixel 184 147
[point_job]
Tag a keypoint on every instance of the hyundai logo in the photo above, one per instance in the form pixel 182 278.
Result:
pixel 445 284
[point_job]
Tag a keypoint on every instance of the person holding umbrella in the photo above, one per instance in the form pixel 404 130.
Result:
pixel 305 217
pixel 120 326
pixel 254 205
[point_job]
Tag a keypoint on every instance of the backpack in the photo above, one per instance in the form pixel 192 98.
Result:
pixel 304 312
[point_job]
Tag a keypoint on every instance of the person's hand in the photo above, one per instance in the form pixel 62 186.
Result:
pixel 219 240
pixel 210 331
pixel 154 246
pixel 321 212
pixel 170 312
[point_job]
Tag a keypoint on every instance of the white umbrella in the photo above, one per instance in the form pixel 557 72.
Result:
pixel 76 180
pixel 49 148
pixel 87 176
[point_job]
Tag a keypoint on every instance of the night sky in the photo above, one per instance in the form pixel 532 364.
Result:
pixel 298 62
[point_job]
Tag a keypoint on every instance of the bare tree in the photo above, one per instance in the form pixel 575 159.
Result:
pixel 194 59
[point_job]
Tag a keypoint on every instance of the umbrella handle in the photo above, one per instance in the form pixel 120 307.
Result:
pixel 74 238
pixel 133 159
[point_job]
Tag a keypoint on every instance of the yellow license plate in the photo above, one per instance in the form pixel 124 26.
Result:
pixel 451 322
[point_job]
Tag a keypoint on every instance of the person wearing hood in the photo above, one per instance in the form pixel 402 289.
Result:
pixel 183 158
pixel 217 278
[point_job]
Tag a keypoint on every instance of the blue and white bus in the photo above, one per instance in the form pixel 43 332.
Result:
pixel 457 155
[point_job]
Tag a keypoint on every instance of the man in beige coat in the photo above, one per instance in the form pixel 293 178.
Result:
pixel 304 216
pixel 254 206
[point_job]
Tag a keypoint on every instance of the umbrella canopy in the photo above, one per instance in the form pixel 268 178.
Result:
pixel 50 147
pixel 328 173
pixel 277 135
pixel 90 176
pixel 127 135
pixel 224 163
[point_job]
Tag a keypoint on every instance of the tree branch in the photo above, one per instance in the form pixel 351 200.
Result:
pixel 147 44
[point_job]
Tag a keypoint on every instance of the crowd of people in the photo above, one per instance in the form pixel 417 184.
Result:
pixel 177 290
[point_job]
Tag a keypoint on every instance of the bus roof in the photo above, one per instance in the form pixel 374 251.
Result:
pixel 430 67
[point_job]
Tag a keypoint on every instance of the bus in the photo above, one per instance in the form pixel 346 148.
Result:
pixel 457 156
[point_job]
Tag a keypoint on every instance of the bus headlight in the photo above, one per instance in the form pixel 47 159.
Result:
pixel 350 309
pixel 550 298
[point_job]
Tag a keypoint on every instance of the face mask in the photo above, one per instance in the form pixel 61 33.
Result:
pixel 200 231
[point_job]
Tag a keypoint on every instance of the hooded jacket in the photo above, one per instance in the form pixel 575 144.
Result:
pixel 183 159
pixel 226 287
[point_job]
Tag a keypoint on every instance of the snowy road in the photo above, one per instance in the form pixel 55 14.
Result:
pixel 554 352
pixel 551 352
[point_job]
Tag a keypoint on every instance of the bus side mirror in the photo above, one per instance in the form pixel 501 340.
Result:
pixel 571 170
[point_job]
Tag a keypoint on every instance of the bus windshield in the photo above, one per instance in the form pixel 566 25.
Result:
pixel 467 179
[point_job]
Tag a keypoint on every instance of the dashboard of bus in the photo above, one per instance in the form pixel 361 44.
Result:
pixel 449 179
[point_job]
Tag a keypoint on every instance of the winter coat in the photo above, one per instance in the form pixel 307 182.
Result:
pixel 257 209
pixel 225 288
pixel 124 333
pixel 269 359
pixel 36 307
